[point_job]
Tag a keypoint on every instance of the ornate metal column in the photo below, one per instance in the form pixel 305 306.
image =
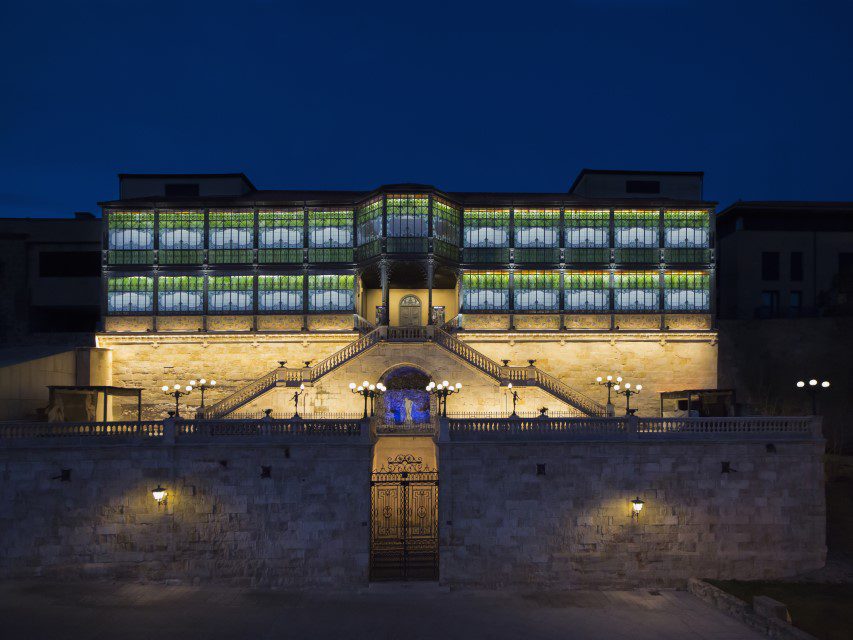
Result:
pixel 430 272
pixel 383 276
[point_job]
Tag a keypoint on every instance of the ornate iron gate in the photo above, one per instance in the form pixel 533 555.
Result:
pixel 404 521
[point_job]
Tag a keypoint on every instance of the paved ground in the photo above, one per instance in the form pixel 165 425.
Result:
pixel 130 612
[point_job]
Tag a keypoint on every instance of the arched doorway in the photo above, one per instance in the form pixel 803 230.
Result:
pixel 410 311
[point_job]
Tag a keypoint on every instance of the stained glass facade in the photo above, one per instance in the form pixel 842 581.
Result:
pixel 536 290
pixel 486 234
pixel 181 237
pixel 331 293
pixel 230 294
pixel 587 291
pixel 280 294
pixel 537 235
pixel 231 236
pixel 485 291
pixel 130 237
pixel 180 294
pixel 687 291
pixel 281 235
pixel 636 290
pixel 330 235
pixel 130 294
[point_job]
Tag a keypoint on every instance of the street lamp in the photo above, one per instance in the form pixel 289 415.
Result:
pixel 609 383
pixel 636 507
pixel 159 494
pixel 441 391
pixel 368 390
pixel 627 391
pixel 813 388
pixel 176 393
pixel 201 386
pixel 514 400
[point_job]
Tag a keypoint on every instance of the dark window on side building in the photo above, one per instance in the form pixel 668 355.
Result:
pixel 796 266
pixel 70 264
pixel 769 265
pixel 769 304
pixel 642 186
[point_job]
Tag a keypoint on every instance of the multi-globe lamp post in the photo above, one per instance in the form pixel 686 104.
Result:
pixel 813 387
pixel 442 390
pixel 609 382
pixel 627 391
pixel 202 386
pixel 177 393
pixel 368 390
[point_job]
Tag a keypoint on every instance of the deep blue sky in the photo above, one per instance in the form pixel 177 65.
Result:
pixel 759 95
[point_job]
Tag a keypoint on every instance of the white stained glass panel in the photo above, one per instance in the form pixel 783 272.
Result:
pixel 331 237
pixel 231 238
pixel 636 299
pixel 686 237
pixel 486 237
pixel 687 299
pixel 486 299
pixel 129 301
pixel 582 237
pixel 280 300
pixel 588 299
pixel 537 299
pixel 280 237
pixel 181 238
pixel 636 237
pixel 180 301
pixel 537 237
pixel 229 300
pixel 129 239
pixel 331 300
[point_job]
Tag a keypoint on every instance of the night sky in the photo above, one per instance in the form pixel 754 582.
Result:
pixel 759 95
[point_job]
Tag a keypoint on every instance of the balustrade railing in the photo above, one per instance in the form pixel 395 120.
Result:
pixel 223 428
pixel 769 424
pixel 146 429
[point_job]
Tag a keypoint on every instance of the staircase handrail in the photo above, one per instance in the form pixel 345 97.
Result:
pixel 285 375
pixel 503 374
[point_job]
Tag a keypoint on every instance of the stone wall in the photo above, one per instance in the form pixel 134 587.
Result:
pixel 559 513
pixel 305 525
pixel 660 363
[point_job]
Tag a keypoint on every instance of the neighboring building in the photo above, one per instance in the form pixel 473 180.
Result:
pixel 50 270
pixel 785 259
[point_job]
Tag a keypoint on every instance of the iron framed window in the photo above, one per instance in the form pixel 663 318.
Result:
pixel 331 293
pixel 407 223
pixel 486 235
pixel 687 291
pixel 537 235
pixel 587 291
pixel 130 237
pixel 485 291
pixel 587 235
pixel 636 235
pixel 445 228
pixel 687 236
pixel 128 295
pixel 280 294
pixel 180 294
pixel 330 235
pixel 181 237
pixel 230 236
pixel 636 291
pixel 230 294
pixel 281 235
pixel 536 290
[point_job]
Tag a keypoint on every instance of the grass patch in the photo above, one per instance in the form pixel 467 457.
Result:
pixel 818 608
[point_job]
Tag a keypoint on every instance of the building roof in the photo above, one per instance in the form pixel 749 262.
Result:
pixel 262 197
pixel 630 172
pixel 786 206
pixel 240 175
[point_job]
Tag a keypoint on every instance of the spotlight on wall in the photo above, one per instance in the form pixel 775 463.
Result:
pixel 636 507
pixel 159 494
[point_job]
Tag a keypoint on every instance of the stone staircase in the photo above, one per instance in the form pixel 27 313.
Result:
pixel 518 376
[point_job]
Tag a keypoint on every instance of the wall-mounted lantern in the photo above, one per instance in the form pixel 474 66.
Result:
pixel 636 507
pixel 159 494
